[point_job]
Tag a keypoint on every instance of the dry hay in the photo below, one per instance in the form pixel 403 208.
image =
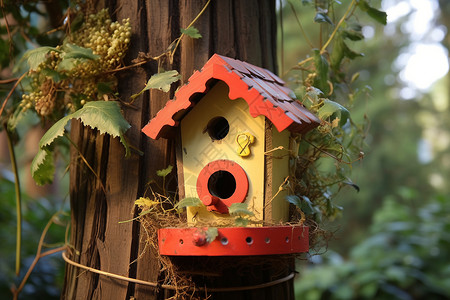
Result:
pixel 191 276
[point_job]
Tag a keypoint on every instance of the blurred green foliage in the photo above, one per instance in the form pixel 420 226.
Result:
pixel 392 241
pixel 47 277
pixel 405 256
pixel 27 25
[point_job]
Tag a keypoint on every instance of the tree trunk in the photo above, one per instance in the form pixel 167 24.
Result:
pixel 240 29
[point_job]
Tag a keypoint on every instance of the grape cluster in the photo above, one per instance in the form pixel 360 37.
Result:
pixel 107 39
pixel 43 88
pixel 56 89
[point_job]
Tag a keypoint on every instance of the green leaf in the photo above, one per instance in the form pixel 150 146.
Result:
pixel 322 17
pixel 105 116
pixel 146 202
pixel 354 77
pixel 334 110
pixel 332 210
pixel 241 222
pixel 237 209
pixel 187 202
pixel 67 64
pixel 19 114
pixel 74 51
pixel 337 54
pixel 350 53
pixel 340 50
pixel 353 185
pixel 192 32
pixel 55 131
pixel 73 55
pixel 36 56
pixel 43 167
pixel 76 23
pixel 105 87
pixel 353 32
pixel 54 75
pixel 377 15
pixel 123 141
pixel 321 65
pixel 164 172
pixel 314 94
pixel 307 206
pixel 160 81
pixel 301 202
pixel 211 234
pixel 293 199
pixel 102 115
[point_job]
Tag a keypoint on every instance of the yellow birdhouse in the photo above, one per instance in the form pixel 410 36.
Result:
pixel 232 117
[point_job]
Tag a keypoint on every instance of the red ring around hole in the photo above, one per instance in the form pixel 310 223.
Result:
pixel 234 169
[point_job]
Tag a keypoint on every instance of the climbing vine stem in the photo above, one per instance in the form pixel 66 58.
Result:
pixel 349 9
pixel 172 53
pixel 11 92
pixel 12 155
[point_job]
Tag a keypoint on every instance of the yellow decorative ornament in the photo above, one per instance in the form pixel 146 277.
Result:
pixel 244 140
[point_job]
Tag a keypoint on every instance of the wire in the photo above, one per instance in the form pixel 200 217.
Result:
pixel 171 287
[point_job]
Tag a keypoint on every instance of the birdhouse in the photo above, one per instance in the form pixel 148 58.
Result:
pixel 235 121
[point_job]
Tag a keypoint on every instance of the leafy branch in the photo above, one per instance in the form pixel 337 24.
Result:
pixel 320 76
pixel 18 199
pixel 163 80
pixel 339 24
pixel 102 115
pixel 190 31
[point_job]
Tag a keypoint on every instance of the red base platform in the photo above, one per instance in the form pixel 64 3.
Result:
pixel 234 241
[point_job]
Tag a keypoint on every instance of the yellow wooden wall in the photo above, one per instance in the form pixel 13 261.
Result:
pixel 199 149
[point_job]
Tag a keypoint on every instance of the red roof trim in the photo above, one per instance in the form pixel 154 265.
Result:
pixel 263 91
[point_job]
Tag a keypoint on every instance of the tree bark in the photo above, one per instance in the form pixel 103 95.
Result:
pixel 240 29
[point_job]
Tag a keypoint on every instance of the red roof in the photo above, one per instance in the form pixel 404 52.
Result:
pixel 264 92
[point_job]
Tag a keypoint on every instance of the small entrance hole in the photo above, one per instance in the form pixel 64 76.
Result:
pixel 249 240
pixel 222 184
pixel 218 128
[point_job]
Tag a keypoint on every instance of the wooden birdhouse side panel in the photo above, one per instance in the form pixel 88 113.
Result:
pixel 199 148
pixel 276 171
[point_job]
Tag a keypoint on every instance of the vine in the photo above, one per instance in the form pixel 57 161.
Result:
pixel 320 81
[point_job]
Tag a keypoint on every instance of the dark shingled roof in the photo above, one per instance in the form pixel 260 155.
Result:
pixel 264 92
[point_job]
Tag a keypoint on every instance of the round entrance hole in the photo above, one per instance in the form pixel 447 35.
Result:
pixel 222 184
pixel 218 128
